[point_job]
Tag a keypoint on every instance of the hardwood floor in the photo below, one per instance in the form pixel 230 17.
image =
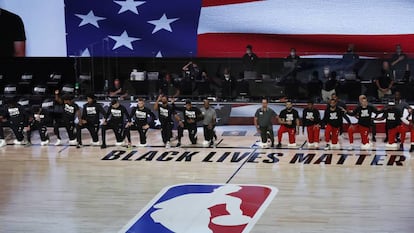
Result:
pixel 65 189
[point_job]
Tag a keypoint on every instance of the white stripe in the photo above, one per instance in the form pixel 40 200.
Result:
pixel 351 17
pixel 44 22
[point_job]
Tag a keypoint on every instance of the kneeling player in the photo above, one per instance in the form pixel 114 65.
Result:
pixel 191 116
pixel 90 120
pixel 311 120
pixel 289 121
pixel 393 120
pixel 263 123
pixel 39 122
pixel 141 115
pixel 332 119
pixel 117 119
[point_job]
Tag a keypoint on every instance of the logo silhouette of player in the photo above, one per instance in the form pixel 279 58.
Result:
pixel 190 212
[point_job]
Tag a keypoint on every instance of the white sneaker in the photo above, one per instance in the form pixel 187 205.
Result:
pixel 264 145
pixel 336 146
pixel 44 143
pixel 367 146
pixel 73 142
pixel 119 143
pixel 391 146
pixel 292 145
pixel 310 145
pixel 95 143
pixel 167 145
pixel 58 142
pixel 316 145
pixel 2 142
pixel 205 142
pixel 327 147
pixel 17 142
pixel 350 147
pixel 142 145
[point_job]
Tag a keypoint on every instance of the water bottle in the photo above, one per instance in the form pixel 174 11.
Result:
pixel 76 89
pixel 106 86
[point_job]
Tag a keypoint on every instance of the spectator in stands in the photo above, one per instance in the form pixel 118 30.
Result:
pixel 13 38
pixel 329 84
pixel 350 60
pixel 203 85
pixel 228 85
pixel 250 59
pixel 118 91
pixel 191 73
pixel 168 86
pixel 385 82
pixel 400 64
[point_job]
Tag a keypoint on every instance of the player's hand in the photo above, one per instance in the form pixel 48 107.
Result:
pixel 190 121
pixel 56 92
pixel 104 123
pixel 128 125
pixel 289 122
pixel 181 124
pixel 145 126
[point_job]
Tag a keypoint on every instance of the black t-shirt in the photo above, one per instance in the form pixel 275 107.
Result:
pixel 364 114
pixel 385 79
pixel 117 115
pixel 190 114
pixel 168 88
pixel 250 61
pixel 291 115
pixel 12 28
pixel 165 113
pixel 141 115
pixel 310 117
pixel 91 112
pixel 392 117
pixel 16 114
pixel 333 117
pixel 330 84
pixel 69 112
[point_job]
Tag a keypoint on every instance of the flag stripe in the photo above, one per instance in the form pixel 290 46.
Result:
pixel 267 45
pixel 208 3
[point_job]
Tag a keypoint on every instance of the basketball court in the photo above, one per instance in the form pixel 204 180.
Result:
pixel 65 189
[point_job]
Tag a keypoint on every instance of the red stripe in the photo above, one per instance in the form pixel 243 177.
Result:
pixel 207 3
pixel 270 45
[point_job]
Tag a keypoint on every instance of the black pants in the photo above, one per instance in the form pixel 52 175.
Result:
pixel 1 130
pixel 192 132
pixel 17 128
pixel 142 133
pixel 41 127
pixel 119 130
pixel 208 133
pixel 166 131
pixel 93 129
pixel 266 132
pixel 68 125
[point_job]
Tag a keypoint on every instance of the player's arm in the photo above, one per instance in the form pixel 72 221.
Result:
pixel 19 48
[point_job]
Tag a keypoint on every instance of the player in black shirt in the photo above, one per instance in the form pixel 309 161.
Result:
pixel 13 37
pixel 363 113
pixel 39 122
pixel 394 119
pixel 90 120
pixel 117 119
pixel 70 112
pixel 165 113
pixel 2 118
pixel 191 116
pixel 311 120
pixel 18 120
pixel 333 119
pixel 141 116
pixel 289 121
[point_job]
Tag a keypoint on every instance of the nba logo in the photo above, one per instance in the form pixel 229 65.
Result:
pixel 203 208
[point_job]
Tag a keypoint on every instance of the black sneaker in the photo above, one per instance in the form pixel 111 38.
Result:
pixel 103 146
pixel 178 144
pixel 273 145
pixel 279 145
pixel 211 143
pixel 79 146
pixel 412 148
pixel 401 147
pixel 374 139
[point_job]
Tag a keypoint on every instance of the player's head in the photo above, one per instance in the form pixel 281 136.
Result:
pixel 117 83
pixel 310 103
pixel 332 103
pixel 206 103
pixel 115 103
pixel 141 102
pixel 188 104
pixel 289 104
pixel 91 98
pixel 361 97
pixel 265 103
pixel 164 100
pixel 227 189
pixel 67 98
pixel 249 49
pixel 397 95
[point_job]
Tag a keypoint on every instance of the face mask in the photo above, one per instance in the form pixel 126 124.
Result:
pixel 292 54
pixel 326 72
pixel 227 77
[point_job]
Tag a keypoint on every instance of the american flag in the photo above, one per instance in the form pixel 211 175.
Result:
pixel 222 28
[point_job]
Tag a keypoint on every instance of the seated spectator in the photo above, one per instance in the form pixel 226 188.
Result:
pixel 118 91
pixel 385 82
pixel 168 87
pixel 329 84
